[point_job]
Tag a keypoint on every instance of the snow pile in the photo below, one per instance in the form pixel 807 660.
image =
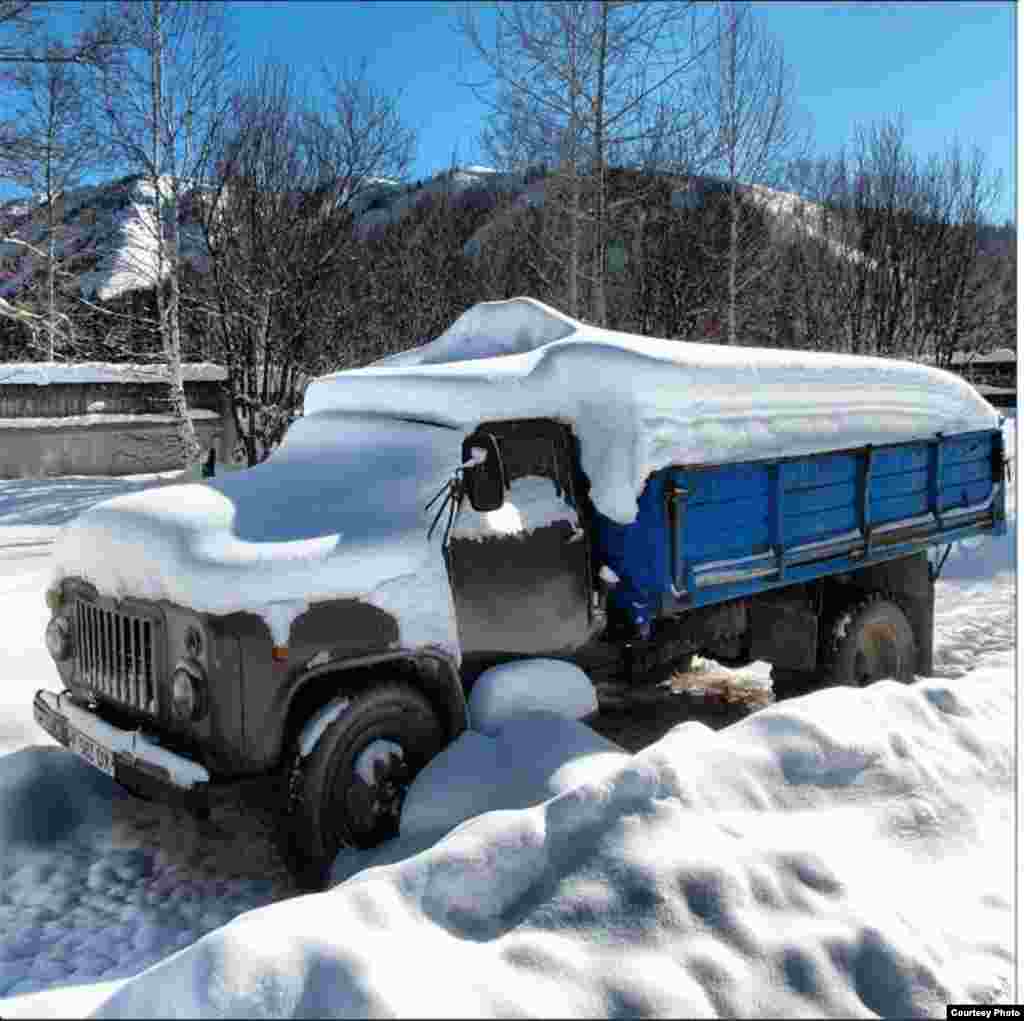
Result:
pixel 45 373
pixel 490 329
pixel 638 404
pixel 748 872
pixel 532 757
pixel 512 688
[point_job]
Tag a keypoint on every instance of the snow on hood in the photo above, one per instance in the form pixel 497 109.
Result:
pixel 339 511
pixel 336 512
pixel 639 404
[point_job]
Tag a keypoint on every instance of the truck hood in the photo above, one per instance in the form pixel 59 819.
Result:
pixel 336 512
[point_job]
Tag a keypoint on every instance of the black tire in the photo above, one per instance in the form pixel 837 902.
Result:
pixel 333 807
pixel 870 641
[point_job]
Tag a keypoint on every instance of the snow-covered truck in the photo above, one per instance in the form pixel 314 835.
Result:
pixel 604 498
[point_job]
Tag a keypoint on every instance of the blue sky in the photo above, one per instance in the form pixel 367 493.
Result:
pixel 949 67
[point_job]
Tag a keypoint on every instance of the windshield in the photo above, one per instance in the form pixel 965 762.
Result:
pixel 355 476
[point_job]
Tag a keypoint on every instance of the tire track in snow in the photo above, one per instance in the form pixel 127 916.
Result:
pixel 107 902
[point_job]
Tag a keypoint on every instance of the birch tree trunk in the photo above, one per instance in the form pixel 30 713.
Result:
pixel 166 225
pixel 600 261
pixel 51 259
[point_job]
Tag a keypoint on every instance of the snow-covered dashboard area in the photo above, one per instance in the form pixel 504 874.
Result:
pixel 337 512
pixel 530 503
pixel 638 404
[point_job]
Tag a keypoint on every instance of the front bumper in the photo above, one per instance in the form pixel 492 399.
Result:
pixel 134 760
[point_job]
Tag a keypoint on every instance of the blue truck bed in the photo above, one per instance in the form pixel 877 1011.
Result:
pixel 708 533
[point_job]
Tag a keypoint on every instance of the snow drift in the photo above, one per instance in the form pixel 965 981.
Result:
pixel 745 873
pixel 490 329
pixel 638 404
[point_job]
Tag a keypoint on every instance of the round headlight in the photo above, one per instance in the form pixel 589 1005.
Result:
pixel 58 638
pixel 187 697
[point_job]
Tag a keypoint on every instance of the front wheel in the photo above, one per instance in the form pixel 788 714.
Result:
pixel 871 641
pixel 353 784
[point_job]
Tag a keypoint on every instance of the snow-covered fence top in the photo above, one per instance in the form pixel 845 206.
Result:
pixel 46 373
pixel 639 404
pixel 53 393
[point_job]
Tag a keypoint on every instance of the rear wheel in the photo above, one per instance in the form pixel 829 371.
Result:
pixel 349 791
pixel 870 641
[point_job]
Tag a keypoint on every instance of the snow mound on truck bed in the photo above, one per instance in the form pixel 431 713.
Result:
pixel 489 329
pixel 639 404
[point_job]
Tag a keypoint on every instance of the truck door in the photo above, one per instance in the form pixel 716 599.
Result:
pixel 520 575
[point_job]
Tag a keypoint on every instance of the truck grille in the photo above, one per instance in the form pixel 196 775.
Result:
pixel 116 655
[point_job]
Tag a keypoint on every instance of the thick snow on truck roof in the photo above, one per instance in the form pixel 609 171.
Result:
pixel 639 404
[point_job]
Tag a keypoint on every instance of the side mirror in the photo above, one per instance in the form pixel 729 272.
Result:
pixel 483 472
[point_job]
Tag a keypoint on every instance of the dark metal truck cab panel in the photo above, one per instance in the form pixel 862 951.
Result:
pixel 525 591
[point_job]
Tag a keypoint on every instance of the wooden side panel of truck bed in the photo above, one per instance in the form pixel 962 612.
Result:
pixel 737 529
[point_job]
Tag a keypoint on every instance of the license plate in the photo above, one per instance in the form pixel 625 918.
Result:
pixel 44 720
pixel 96 755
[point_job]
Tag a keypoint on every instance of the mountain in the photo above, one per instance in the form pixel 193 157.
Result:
pixel 106 236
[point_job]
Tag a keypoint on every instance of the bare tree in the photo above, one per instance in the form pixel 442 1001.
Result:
pixel 287 175
pixel 748 90
pixel 581 86
pixel 26 46
pixel 25 34
pixel 163 100
pixel 889 260
pixel 58 121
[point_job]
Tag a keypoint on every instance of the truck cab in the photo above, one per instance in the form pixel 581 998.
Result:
pixel 178 690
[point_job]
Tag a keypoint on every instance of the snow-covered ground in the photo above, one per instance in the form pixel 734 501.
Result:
pixel 849 853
